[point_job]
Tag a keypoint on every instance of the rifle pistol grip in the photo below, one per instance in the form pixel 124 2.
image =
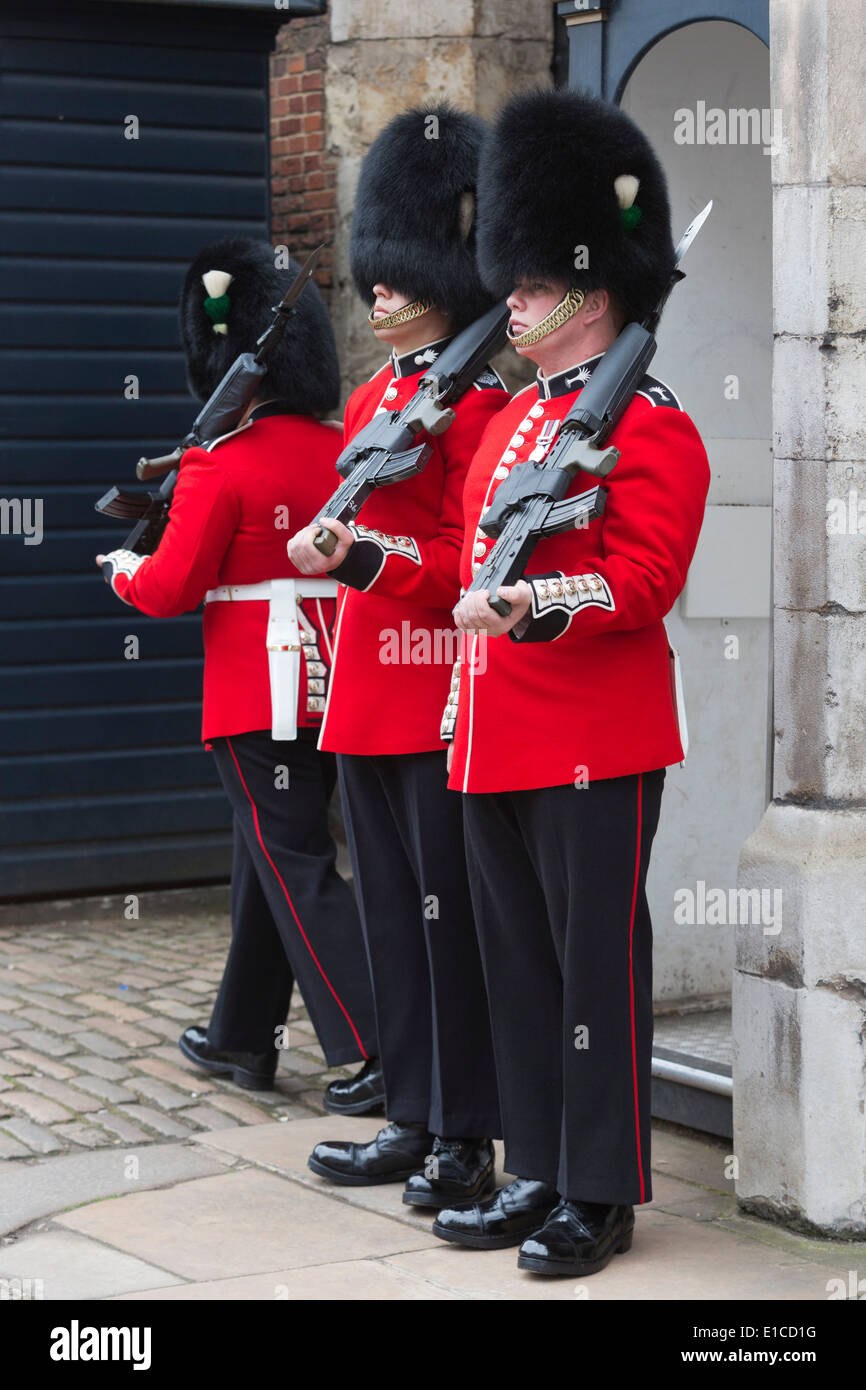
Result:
pixel 500 605
pixel 325 541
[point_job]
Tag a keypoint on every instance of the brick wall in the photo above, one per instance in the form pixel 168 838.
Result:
pixel 303 178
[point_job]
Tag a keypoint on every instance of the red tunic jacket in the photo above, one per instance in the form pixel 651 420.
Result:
pixel 396 641
pixel 581 689
pixel 229 525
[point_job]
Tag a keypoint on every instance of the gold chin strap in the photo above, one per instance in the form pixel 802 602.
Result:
pixel 404 315
pixel 560 314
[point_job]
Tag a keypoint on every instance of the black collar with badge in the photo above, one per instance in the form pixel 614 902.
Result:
pixel 408 363
pixel 575 378
pixel 570 379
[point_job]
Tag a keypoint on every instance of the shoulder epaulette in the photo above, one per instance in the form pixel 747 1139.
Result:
pixel 488 378
pixel 657 393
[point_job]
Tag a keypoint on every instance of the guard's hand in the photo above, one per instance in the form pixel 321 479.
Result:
pixel 306 558
pixel 474 614
pixel 118 567
pixel 449 757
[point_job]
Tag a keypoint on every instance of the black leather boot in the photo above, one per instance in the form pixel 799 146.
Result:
pixel 252 1070
pixel 578 1238
pixel 397 1151
pixel 456 1171
pixel 503 1220
pixel 362 1093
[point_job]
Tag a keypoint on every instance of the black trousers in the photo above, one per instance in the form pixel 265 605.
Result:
pixel 557 877
pixel 405 836
pixel 293 916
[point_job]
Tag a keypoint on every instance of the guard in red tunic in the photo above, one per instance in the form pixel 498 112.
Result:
pixel 412 255
pixel 268 639
pixel 563 714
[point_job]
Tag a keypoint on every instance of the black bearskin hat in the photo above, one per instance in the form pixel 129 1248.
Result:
pixel 221 320
pixel 414 220
pixel 563 170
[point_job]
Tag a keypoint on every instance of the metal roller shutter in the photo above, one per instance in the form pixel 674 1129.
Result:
pixel 103 781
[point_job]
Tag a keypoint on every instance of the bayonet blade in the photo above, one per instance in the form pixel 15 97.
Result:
pixel 691 231
pixel 305 273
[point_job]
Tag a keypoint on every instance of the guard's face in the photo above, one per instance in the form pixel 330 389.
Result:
pixel 531 301
pixel 423 327
pixel 387 300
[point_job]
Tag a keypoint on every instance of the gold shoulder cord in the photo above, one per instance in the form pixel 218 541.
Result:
pixel 404 315
pixel 563 311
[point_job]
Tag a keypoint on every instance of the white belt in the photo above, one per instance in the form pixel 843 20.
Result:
pixel 284 638
pixel 305 588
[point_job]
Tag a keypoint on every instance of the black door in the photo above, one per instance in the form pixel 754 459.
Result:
pixel 131 135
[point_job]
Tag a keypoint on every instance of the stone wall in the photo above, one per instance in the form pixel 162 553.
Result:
pixel 800 994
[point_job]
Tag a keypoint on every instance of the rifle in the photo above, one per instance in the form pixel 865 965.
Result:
pixel 218 416
pixel 385 451
pixel 531 502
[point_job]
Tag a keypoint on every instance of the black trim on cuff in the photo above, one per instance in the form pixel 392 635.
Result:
pixel 359 568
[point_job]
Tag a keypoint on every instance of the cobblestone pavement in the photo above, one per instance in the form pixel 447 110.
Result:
pixel 91 1007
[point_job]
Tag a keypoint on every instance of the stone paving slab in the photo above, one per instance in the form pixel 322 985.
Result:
pixel 71 1266
pixel 285 1150
pixel 704 1162
pixel 32 1190
pixel 253 1228
pixel 352 1280
pixel 681 1197
pixel 672 1259
pixel 241 1222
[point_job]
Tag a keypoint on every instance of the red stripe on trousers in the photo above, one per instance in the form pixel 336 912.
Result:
pixel 631 986
pixel 291 904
